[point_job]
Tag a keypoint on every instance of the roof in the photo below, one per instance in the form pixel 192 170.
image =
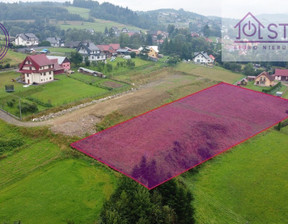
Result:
pixel 212 57
pixel 202 53
pixel 40 59
pixel 37 60
pixel 59 59
pixel 281 72
pixel 266 74
pixel 89 46
pixel 27 36
pixel 53 40
pixel 57 67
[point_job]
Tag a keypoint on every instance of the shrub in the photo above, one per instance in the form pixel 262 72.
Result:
pixel 29 108
pixel 9 145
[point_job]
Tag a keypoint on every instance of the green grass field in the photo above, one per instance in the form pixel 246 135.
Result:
pixel 39 183
pixel 84 13
pixel 98 25
pixel 215 73
pixel 248 184
pixel 13 58
pixel 66 90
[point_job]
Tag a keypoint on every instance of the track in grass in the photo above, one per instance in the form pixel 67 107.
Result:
pixel 165 142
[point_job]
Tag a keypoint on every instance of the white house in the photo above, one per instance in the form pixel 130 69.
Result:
pixel 37 69
pixel 55 41
pixel 26 39
pixel 90 50
pixel 203 58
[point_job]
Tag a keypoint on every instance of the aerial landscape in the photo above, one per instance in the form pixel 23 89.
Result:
pixel 118 112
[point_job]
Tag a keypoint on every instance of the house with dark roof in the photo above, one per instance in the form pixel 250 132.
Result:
pixel 37 69
pixel 91 51
pixel 55 41
pixel 26 39
pixel 281 74
pixel 203 58
pixel 264 79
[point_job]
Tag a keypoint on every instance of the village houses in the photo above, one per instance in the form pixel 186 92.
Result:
pixel 26 39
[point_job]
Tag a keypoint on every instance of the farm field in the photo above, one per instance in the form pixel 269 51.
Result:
pixel 204 127
pixel 215 73
pixel 246 185
pixel 39 181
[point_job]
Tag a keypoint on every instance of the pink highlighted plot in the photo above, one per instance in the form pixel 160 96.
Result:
pixel 165 142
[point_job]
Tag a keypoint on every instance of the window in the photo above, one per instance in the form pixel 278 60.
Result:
pixel 27 75
pixel 50 73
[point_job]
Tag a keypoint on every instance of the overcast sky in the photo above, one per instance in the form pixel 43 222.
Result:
pixel 227 8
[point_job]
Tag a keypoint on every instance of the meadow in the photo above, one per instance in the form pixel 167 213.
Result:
pixel 13 58
pixel 98 25
pixel 207 123
pixel 43 182
pixel 245 185
pixel 213 73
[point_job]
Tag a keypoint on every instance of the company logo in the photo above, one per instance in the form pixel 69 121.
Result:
pixel 4 41
pixel 251 30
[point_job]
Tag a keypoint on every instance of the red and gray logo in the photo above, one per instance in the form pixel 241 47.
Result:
pixel 4 41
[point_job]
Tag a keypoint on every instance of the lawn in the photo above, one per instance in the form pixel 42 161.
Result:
pixel 61 50
pixel 63 91
pixel 246 185
pixel 215 73
pixel 66 90
pixel 39 183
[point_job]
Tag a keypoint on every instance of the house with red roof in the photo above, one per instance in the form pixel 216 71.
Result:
pixel 39 69
pixel 109 49
pixel 281 74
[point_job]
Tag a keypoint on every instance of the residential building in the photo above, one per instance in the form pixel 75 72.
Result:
pixel 203 58
pixel 264 79
pixel 109 49
pixel 55 41
pixel 91 51
pixel 281 74
pixel 152 52
pixel 26 39
pixel 64 62
pixel 37 69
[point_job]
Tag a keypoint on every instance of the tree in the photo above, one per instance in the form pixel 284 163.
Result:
pixel 76 58
pixel 249 70
pixel 149 40
pixel 169 203
pixel 87 62
pixel 206 30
